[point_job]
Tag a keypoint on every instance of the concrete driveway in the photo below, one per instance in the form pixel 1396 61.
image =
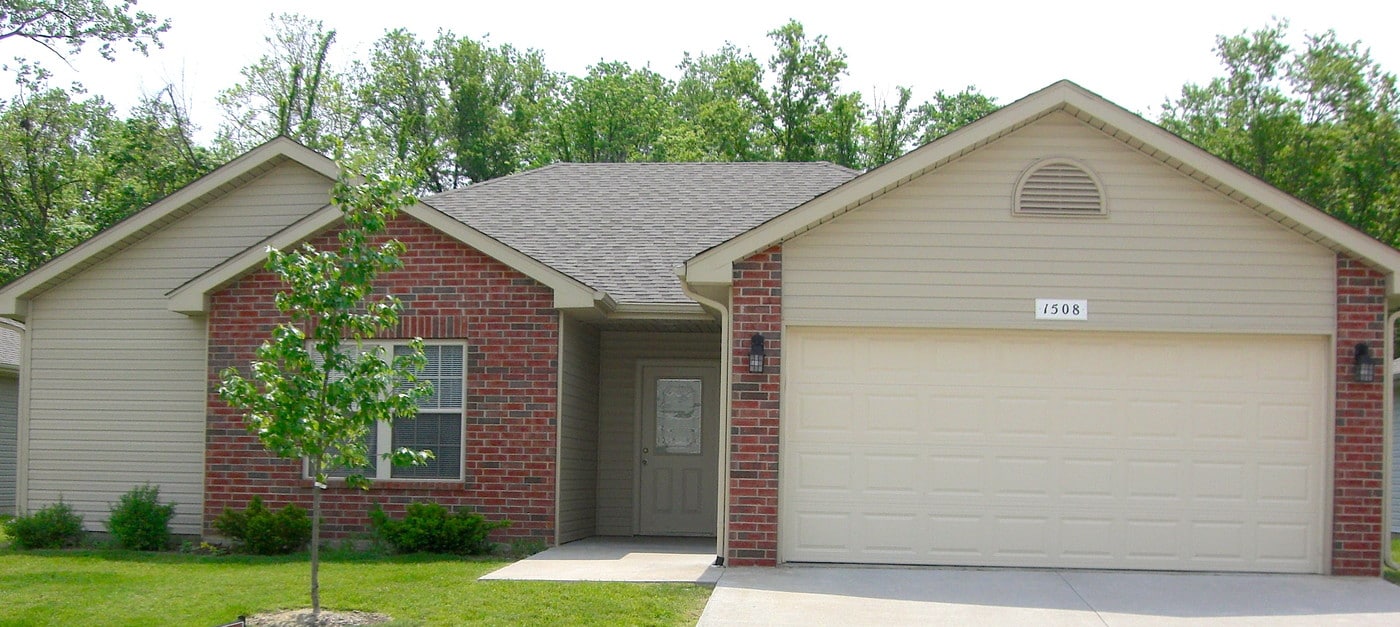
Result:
pixel 895 596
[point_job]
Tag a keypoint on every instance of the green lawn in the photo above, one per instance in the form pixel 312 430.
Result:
pixel 126 588
pixel 1393 576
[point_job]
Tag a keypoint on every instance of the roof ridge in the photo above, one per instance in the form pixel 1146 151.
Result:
pixel 488 182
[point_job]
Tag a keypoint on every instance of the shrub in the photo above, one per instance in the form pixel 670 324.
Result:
pixel 53 527
pixel 139 521
pixel 261 531
pixel 430 528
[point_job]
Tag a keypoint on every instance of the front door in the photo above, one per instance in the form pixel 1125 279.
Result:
pixel 679 452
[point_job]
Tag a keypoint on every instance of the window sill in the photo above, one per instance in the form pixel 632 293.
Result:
pixel 424 485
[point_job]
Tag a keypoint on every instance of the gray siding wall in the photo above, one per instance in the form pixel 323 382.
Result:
pixel 9 440
pixel 617 409
pixel 117 382
pixel 944 250
pixel 578 432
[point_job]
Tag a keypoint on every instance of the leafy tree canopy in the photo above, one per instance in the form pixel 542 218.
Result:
pixel 65 27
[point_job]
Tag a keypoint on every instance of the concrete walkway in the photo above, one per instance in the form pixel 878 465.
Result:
pixel 908 596
pixel 635 559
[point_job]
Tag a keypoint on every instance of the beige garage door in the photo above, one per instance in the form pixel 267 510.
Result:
pixel 1093 450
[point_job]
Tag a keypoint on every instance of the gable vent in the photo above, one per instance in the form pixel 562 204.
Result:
pixel 1059 187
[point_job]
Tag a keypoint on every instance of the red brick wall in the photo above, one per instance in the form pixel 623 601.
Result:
pixel 449 291
pixel 1359 454
pixel 756 307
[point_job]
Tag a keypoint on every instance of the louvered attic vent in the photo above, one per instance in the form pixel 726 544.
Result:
pixel 1059 187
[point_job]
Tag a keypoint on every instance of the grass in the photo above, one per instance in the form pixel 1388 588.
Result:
pixel 109 587
pixel 1393 576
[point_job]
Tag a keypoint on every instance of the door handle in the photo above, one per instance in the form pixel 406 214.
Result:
pixel 644 462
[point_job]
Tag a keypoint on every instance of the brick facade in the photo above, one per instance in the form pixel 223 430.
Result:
pixel 756 307
pixel 1359 449
pixel 449 291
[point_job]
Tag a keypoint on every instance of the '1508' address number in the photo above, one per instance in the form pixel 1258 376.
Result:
pixel 1061 309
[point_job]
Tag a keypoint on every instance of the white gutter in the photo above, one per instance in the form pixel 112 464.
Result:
pixel 726 339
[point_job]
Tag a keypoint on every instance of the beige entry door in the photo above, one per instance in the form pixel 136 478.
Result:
pixel 679 452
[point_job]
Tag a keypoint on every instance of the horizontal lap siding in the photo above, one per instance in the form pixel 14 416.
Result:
pixel 617 414
pixel 117 381
pixel 578 445
pixel 944 250
pixel 9 423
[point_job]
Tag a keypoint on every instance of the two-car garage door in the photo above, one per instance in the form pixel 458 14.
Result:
pixel 1055 449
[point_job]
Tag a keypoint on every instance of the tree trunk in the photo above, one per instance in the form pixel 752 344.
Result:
pixel 315 548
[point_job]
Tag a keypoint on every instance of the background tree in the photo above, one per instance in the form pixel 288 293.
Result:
pixel 721 98
pixel 614 114
pixel 65 27
pixel 1320 123
pixel 48 154
pixel 500 101
pixel 293 90
pixel 806 73
pixel 399 90
pixel 946 112
pixel 315 390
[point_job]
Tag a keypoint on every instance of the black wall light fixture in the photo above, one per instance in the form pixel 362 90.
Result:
pixel 1364 365
pixel 756 353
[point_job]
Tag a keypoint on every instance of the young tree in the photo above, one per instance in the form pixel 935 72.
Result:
pixel 315 390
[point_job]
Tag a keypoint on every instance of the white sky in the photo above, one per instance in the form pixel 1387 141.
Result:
pixel 1132 52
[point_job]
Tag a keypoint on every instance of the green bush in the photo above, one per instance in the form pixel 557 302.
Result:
pixel 139 521
pixel 261 531
pixel 54 527
pixel 430 528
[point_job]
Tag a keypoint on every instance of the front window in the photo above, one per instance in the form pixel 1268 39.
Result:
pixel 437 427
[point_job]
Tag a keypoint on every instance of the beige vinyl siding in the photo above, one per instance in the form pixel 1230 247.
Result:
pixel 617 411
pixel 9 440
pixel 117 382
pixel 1171 255
pixel 578 431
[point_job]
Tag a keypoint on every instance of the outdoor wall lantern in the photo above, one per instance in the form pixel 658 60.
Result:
pixel 1364 368
pixel 756 357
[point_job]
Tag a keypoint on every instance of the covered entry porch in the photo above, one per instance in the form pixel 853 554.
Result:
pixel 639 436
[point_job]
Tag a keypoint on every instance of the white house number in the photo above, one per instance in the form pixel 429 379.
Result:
pixel 1061 309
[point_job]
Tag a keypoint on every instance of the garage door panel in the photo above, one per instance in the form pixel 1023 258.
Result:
pixel 908 468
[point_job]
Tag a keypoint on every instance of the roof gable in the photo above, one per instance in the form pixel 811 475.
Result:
pixel 713 266
pixel 203 191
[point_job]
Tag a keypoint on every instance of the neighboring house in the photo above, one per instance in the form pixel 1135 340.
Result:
pixel 1058 337
pixel 10 336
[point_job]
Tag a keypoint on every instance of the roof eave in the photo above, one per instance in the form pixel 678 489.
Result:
pixel 715 266
pixel 192 298
pixel 14 296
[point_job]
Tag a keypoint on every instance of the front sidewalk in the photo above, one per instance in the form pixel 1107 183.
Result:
pixel 630 559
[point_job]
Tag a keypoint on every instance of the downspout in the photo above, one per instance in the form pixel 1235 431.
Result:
pixel 1388 438
pixel 722 541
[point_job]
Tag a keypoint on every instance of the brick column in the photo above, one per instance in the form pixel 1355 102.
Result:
pixel 1359 448
pixel 756 307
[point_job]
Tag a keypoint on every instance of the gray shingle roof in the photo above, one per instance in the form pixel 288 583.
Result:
pixel 624 227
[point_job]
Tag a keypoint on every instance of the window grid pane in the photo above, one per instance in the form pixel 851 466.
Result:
pixel 440 433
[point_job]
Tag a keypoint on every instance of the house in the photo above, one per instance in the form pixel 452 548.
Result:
pixel 1058 337
pixel 10 335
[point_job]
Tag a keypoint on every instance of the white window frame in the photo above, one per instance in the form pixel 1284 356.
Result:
pixel 384 431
